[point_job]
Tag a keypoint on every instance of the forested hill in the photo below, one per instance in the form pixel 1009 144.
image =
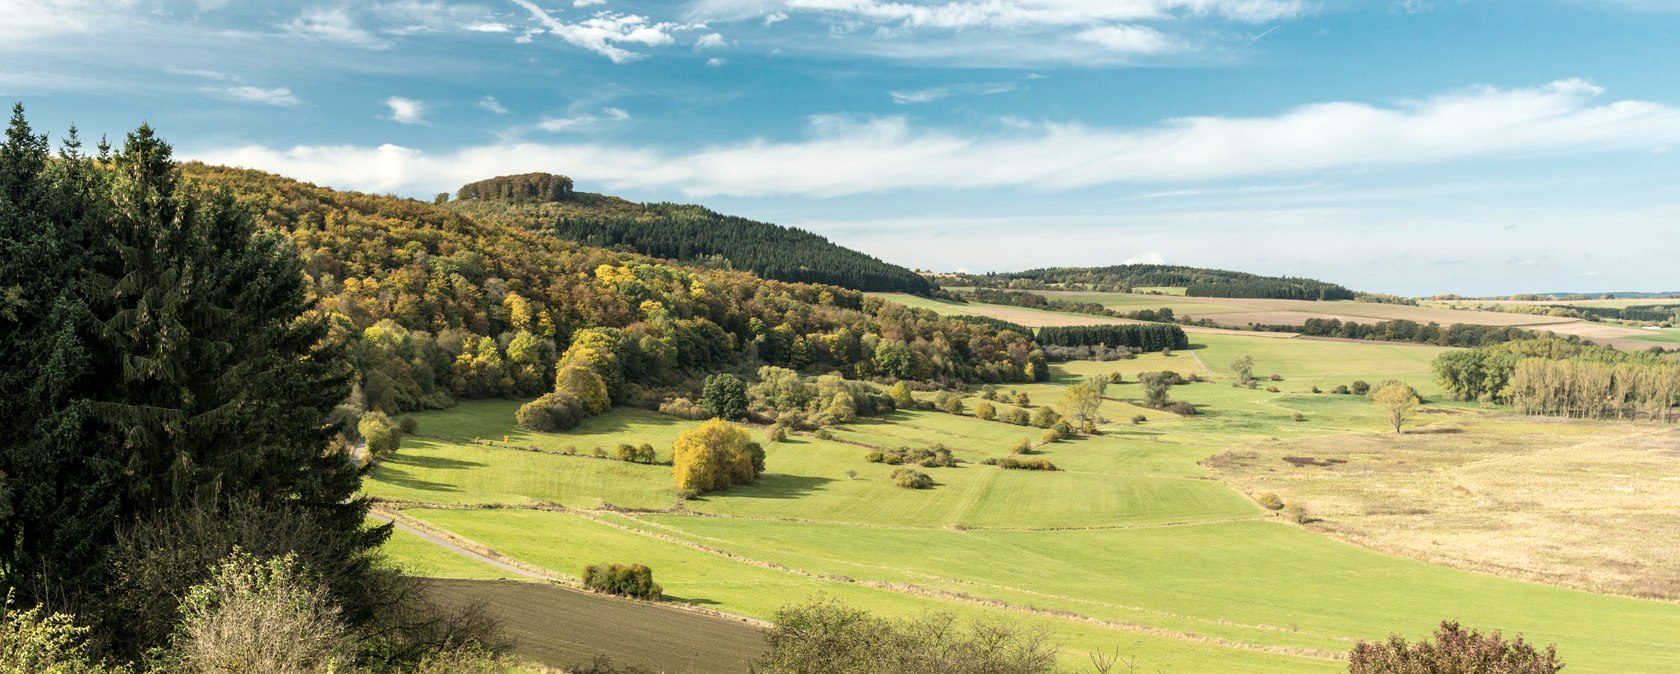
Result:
pixel 681 232
pixel 436 306
pixel 1196 282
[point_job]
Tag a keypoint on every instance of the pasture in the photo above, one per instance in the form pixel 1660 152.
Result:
pixel 1134 544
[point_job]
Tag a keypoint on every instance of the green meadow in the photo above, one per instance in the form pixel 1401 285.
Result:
pixel 1133 544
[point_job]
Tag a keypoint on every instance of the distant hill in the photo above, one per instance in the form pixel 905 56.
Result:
pixel 680 232
pixel 1196 282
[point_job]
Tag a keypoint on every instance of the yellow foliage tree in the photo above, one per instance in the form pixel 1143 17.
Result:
pixel 715 455
pixel 1399 401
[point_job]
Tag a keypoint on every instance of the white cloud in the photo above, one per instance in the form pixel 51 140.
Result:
pixel 23 21
pixel 936 93
pixel 280 96
pixel 406 110
pixel 1126 39
pixel 333 25
pixel 604 32
pixel 580 122
pixel 774 18
pixel 715 62
pixel 710 41
pixel 615 114
pixel 490 103
pixel 958 14
pixel 588 3
pixel 847 156
pixel 1150 257
pixel 488 27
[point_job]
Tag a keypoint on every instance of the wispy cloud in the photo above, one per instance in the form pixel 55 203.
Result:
pixel 852 156
pixel 333 25
pixel 280 96
pixel 489 103
pixel 710 41
pixel 605 31
pixel 931 94
pixel 27 21
pixel 1126 39
pixel 406 110
pixel 582 121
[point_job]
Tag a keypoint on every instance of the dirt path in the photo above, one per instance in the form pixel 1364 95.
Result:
pixel 1199 362
pixel 452 547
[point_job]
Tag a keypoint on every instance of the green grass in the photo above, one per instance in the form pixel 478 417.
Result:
pixel 419 557
pixel 1132 530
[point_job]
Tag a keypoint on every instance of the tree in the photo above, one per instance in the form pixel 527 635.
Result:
pixel 715 455
pixel 1156 386
pixel 901 396
pixel 379 433
pixel 985 410
pixel 1398 401
pixel 163 353
pixel 1045 417
pixel 1453 651
pixel 725 396
pixel 1244 367
pixel 1082 403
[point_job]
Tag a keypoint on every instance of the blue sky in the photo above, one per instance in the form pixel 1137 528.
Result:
pixel 1412 146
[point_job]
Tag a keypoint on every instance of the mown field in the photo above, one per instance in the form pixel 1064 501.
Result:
pixel 1135 544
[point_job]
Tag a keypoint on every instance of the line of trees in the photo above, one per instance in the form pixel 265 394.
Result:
pixel 1145 338
pixel 525 187
pixel 1197 282
pixel 1560 378
pixel 1402 330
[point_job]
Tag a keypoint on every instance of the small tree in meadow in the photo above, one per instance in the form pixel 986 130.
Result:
pixel 1398 401
pixel 715 455
pixel 725 396
pixel 985 410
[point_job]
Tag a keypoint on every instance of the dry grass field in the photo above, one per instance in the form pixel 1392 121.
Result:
pixel 1585 504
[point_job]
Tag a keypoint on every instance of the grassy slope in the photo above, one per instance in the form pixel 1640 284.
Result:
pixel 1229 574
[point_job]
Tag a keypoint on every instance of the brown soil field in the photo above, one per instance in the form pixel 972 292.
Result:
pixel 562 628
pixel 1592 505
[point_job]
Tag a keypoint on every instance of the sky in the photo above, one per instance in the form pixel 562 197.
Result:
pixel 1477 147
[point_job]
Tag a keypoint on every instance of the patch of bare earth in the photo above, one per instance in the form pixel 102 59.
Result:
pixel 1593 505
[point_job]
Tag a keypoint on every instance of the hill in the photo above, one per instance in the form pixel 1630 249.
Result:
pixel 1196 282
pixel 436 306
pixel 680 232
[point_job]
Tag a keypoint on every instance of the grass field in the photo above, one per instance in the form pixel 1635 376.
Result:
pixel 1133 544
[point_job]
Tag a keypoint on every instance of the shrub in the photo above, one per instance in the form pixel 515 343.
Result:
pixel 1296 513
pixel 1360 387
pixel 634 580
pixel 1116 378
pixel 1022 446
pixel 985 410
pixel 647 454
pixel 912 479
pixel 261 616
pixel 1272 389
pixel 380 434
pixel 824 434
pixel 1139 418
pixel 725 395
pixel 851 474
pixel 1045 417
pixel 627 452
pixel 408 425
pixel 603 665
pixel 829 638
pixel 776 433
pixel 1048 436
pixel 715 455
pixel 1270 501
pixel 32 643
pixel 1194 378
pixel 1276 377
pixel 1019 417
pixel 1062 430
pixel 949 403
pixel 988 392
pixel 901 396
pixel 935 456
pixel 1182 408
pixel 1341 389
pixel 685 408
pixel 598 453
pixel 1315 389
pixel 1453 651
pixel 1300 417
pixel 1022 399
pixel 1026 463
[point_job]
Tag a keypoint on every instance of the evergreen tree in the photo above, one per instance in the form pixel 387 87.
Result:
pixel 159 356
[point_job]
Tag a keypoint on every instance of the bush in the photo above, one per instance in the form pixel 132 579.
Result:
pixel 1116 378
pixel 1022 399
pixel 949 403
pixel 1360 387
pixel 1022 446
pixel 935 456
pixel 408 425
pixel 379 432
pixel 725 395
pixel 1341 389
pixel 1139 418
pixel 1315 389
pixel 824 434
pixel 1048 436
pixel 1272 389
pixel 1062 430
pixel 261 616
pixel 634 580
pixel 912 479
pixel 827 637
pixel 627 452
pixel 647 454
pixel 985 411
pixel 1026 463
pixel 1019 417
pixel 598 453
pixel 1299 416
pixel 776 433
pixel 33 643
pixel 1453 651
pixel 685 408
pixel 1182 409
pixel 1270 501
pixel 1045 417
pixel 551 413
pixel 1296 513
pixel 1276 377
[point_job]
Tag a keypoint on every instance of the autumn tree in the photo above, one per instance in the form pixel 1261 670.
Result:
pixel 1244 367
pixel 1082 403
pixel 715 455
pixel 1454 650
pixel 1399 401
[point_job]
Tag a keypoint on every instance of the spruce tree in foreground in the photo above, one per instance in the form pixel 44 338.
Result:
pixel 160 357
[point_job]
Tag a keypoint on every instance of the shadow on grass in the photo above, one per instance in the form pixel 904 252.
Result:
pixel 620 422
pixel 394 475
pixel 696 601
pixel 780 486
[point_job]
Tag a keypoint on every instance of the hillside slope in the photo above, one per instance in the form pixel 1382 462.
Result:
pixel 686 233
